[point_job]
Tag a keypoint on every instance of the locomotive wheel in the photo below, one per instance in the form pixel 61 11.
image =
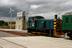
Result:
pixel 66 36
pixel 29 31
pixel 70 35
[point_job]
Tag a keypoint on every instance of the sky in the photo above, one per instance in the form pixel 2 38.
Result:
pixel 46 8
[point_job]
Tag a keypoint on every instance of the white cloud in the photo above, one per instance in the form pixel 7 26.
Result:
pixel 45 7
pixel 35 6
pixel 48 6
pixel 7 3
pixel 68 3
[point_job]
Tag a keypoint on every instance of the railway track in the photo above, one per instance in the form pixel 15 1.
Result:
pixel 19 33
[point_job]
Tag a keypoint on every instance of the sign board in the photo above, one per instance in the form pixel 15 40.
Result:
pixel 19 14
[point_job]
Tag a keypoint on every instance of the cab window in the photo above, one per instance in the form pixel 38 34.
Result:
pixel 71 20
pixel 67 20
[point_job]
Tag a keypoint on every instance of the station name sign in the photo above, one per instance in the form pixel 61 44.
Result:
pixel 19 14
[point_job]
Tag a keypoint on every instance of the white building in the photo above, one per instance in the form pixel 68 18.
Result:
pixel 21 21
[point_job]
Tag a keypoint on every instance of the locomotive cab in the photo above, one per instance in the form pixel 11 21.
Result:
pixel 67 25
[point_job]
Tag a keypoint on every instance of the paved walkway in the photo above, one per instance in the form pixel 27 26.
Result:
pixel 8 44
pixel 40 42
pixel 32 42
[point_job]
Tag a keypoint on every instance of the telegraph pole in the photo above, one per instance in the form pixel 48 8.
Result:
pixel 10 21
pixel 10 11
